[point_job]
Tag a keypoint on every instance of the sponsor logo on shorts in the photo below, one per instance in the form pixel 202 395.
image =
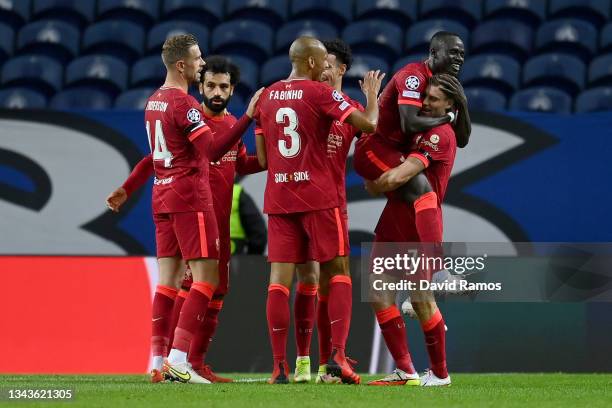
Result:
pixel 412 82
pixel 291 177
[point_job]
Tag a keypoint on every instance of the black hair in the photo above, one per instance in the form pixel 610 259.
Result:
pixel 440 37
pixel 221 65
pixel 341 50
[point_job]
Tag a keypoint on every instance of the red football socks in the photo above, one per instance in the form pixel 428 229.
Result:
pixel 435 340
pixel 277 312
pixel 393 328
pixel 324 330
pixel 176 312
pixel 304 310
pixel 163 302
pixel 192 315
pixel 202 339
pixel 339 310
pixel 428 218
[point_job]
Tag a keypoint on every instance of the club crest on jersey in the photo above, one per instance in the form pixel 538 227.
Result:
pixel 337 96
pixel 434 138
pixel 193 115
pixel 412 82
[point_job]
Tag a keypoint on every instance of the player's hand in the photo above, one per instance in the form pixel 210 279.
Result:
pixel 253 102
pixel 371 82
pixel 451 85
pixel 371 188
pixel 116 199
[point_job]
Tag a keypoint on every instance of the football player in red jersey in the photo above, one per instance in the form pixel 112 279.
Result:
pixel 400 103
pixel 341 135
pixel 301 199
pixel 182 145
pixel 432 156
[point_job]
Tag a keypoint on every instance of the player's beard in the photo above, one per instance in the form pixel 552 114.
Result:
pixel 218 107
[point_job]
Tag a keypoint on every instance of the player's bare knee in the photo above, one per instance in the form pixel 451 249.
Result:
pixel 205 270
pixel 336 266
pixel 308 273
pixel 282 273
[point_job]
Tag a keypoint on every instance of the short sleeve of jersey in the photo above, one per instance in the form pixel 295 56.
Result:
pixel 189 117
pixel 434 145
pixel 333 103
pixel 410 85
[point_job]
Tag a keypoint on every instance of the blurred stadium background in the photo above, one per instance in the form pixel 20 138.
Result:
pixel 75 75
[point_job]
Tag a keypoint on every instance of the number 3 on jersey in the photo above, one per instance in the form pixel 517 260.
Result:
pixel 160 152
pixel 290 130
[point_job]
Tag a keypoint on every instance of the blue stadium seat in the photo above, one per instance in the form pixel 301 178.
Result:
pixel 418 36
pixel 484 99
pixel 56 39
pixel 543 99
pixel 143 13
pixel 21 98
pixel 271 12
pixel 121 39
pixel 148 72
pixel 600 71
pixel 399 12
pixel 81 98
pixel 354 92
pixel 14 12
pixel 498 72
pixel 7 37
pixel 98 72
pixel 134 98
pixel 595 100
pixel 275 69
pixel 374 37
pixel 406 60
pixel 237 104
pixel 594 11
pixel 208 13
pixel 531 12
pixel 606 38
pixel 337 12
pixel 251 39
pixel 559 70
pixel 362 64
pixel 37 72
pixel 467 12
pixel 570 36
pixel 76 12
pixel 159 33
pixel 503 36
pixel 294 29
pixel 249 75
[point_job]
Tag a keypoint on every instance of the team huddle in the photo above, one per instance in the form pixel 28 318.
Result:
pixel 304 126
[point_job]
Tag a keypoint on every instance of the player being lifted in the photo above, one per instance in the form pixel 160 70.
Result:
pixel 182 145
pixel 339 59
pixel 302 197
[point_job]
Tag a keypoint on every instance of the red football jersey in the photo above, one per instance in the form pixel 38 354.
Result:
pixel 173 119
pixel 295 117
pixel 222 172
pixel 407 87
pixel 338 144
pixel 436 148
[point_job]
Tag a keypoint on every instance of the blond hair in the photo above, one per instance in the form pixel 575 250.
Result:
pixel 176 48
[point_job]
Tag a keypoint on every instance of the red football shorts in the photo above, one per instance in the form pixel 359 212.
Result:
pixel 224 261
pixel 190 235
pixel 373 157
pixel 318 235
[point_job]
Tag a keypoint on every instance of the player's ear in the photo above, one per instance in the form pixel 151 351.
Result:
pixel 231 92
pixel 311 62
pixel 342 69
pixel 180 66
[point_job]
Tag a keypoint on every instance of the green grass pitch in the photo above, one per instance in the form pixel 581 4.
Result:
pixel 467 390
